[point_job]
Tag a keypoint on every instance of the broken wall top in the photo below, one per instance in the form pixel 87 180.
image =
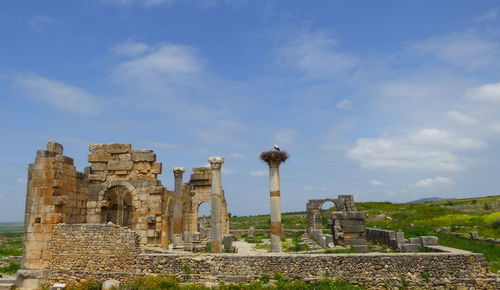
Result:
pixel 118 161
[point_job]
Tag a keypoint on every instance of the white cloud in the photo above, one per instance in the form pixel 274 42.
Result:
pixel 495 127
pixel 426 149
pixel 169 62
pixel 486 93
pixel 57 94
pixel 236 155
pixel 376 183
pixel 344 105
pixel 316 55
pixel 146 3
pixel 22 180
pixel 434 138
pixel 130 48
pixel 434 182
pixel 259 173
pixel 459 118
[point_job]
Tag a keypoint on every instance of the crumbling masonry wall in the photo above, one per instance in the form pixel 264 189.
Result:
pixel 56 193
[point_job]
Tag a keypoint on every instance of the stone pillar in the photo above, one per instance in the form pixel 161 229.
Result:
pixel 274 159
pixel 164 232
pixel 216 204
pixel 177 209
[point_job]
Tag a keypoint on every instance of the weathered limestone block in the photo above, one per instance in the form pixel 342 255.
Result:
pixel 99 166
pixel 111 148
pixel 100 157
pixel 429 240
pixel 120 165
pixel 156 168
pixel 143 156
pixel 142 166
pixel 99 176
pixel 55 147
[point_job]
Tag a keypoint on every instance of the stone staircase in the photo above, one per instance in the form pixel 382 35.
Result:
pixel 7 282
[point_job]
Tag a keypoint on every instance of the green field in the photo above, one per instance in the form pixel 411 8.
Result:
pixel 11 244
pixel 455 216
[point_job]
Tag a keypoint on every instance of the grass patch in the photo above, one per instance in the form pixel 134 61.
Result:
pixel 11 268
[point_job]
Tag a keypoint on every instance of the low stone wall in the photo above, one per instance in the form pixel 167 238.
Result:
pixel 94 248
pixel 421 270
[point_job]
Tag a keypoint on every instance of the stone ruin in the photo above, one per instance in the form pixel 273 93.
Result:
pixel 347 225
pixel 96 224
pixel 120 187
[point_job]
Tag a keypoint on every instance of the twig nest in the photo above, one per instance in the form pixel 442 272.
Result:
pixel 274 157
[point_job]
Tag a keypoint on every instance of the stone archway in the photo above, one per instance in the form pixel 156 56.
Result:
pixel 314 212
pixel 117 207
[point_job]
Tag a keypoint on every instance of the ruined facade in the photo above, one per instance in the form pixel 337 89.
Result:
pixel 120 187
pixel 347 225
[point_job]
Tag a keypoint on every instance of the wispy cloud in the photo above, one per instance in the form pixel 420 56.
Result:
pixel 236 155
pixel 470 51
pixel 426 149
pixel 376 183
pixel 489 93
pixel 434 182
pixel 317 56
pixel 344 105
pixel 57 94
pixel 130 48
pixel 490 15
pixel 169 62
pixel 37 22
pixel 460 118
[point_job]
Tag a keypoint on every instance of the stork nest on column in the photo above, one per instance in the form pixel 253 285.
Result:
pixel 274 157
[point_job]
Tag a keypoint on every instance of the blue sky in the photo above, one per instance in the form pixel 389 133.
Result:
pixel 388 100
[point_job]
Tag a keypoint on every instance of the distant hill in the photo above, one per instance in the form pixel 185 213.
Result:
pixel 429 199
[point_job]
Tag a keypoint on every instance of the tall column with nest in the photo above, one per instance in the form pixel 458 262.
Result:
pixel 274 160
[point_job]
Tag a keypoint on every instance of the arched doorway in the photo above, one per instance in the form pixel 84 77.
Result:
pixel 117 206
pixel 204 213
pixel 325 210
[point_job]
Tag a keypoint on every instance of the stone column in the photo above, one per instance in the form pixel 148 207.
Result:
pixel 274 159
pixel 216 204
pixel 177 209
pixel 164 232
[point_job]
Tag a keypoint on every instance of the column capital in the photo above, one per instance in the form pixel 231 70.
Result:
pixel 216 162
pixel 178 171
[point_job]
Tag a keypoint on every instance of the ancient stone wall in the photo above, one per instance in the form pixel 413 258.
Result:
pixel 56 193
pixel 376 271
pixel 124 190
pixel 94 248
